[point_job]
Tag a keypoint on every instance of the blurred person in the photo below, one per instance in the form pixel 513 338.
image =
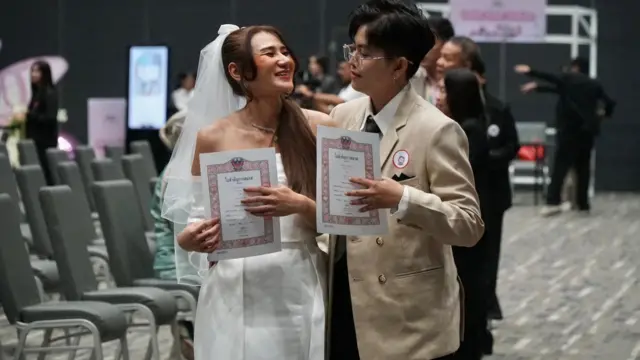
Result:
pixel 504 144
pixel 42 114
pixel 425 81
pixel 397 296
pixel 457 52
pixel 181 95
pixel 268 306
pixel 326 102
pixel 164 259
pixel 319 70
pixel 461 100
pixel 582 103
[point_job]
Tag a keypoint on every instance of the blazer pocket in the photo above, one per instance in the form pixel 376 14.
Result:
pixel 407 274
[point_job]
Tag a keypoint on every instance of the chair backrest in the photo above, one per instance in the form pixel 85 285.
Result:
pixel 60 208
pixel 143 148
pixel 30 181
pixel 18 288
pixel 70 176
pixel 114 152
pixel 123 230
pixel 84 155
pixel 133 166
pixel 3 149
pixel 8 182
pixel 106 170
pixel 55 157
pixel 27 153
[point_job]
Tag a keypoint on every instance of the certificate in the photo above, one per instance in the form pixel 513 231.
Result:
pixel 343 154
pixel 225 175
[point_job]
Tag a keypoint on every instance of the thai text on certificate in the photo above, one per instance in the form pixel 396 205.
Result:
pixel 344 154
pixel 225 176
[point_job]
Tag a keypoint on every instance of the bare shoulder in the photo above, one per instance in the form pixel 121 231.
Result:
pixel 317 118
pixel 210 137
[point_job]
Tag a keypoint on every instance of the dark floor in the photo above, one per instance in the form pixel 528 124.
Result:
pixel 568 286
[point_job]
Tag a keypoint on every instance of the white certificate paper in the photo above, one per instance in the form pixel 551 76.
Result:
pixel 343 154
pixel 225 175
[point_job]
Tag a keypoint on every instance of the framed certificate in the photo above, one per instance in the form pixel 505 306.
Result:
pixel 225 175
pixel 343 154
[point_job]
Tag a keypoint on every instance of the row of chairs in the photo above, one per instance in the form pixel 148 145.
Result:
pixel 68 222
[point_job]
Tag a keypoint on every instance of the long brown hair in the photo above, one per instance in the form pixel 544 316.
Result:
pixel 295 138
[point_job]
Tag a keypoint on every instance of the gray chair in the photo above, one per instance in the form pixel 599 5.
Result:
pixel 61 209
pixel 114 152
pixel 69 174
pixel 27 153
pixel 106 169
pixel 131 261
pixel 134 170
pixel 84 155
pixel 55 157
pixel 21 301
pixel 31 180
pixel 143 148
pixel 3 149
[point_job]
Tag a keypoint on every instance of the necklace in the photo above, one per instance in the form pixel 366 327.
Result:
pixel 269 130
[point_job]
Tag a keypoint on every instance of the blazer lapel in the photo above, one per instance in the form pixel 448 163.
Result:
pixel 389 140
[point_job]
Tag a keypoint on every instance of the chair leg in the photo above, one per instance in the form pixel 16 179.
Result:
pixel 22 340
pixel 124 348
pixel 45 343
pixel 176 348
pixel 76 342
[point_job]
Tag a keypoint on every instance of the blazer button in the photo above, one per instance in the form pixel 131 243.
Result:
pixel 380 241
pixel 382 279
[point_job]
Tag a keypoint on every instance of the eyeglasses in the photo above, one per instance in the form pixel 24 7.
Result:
pixel 351 53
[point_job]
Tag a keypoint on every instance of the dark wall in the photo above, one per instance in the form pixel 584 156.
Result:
pixel 94 36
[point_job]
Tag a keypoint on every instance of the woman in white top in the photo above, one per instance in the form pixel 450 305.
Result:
pixel 269 306
pixel 183 93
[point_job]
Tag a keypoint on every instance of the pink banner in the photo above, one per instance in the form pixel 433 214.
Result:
pixel 518 21
pixel 106 123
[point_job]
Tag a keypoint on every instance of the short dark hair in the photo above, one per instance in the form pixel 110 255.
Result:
pixel 581 63
pixel 398 29
pixel 323 62
pixel 441 27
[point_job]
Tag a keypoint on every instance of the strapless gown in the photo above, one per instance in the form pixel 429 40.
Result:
pixel 266 307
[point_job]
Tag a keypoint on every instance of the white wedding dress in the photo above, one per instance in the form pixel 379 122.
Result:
pixel 268 307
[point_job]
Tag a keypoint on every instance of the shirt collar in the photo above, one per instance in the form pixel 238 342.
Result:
pixel 384 118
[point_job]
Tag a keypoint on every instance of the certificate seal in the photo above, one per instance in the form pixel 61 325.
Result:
pixel 493 130
pixel 401 159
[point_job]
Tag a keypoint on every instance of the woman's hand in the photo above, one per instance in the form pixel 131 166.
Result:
pixel 274 201
pixel 202 236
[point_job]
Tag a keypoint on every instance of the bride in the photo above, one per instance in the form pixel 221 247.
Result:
pixel 269 306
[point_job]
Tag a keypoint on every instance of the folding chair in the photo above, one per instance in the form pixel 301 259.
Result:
pixel 84 155
pixel 21 301
pixel 143 148
pixel 55 157
pixel 114 153
pixel 27 153
pixel 61 209
pixel 134 169
pixel 69 174
pixel 130 259
pixel 106 169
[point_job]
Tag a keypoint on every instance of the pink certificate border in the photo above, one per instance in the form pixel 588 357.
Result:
pixel 345 143
pixel 238 165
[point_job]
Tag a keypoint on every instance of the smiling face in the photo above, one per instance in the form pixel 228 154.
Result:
pixel 450 58
pixel 274 66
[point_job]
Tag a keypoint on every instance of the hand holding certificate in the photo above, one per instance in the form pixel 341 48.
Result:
pixel 342 156
pixel 225 176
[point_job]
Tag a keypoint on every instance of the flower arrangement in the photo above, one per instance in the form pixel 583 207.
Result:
pixel 18 121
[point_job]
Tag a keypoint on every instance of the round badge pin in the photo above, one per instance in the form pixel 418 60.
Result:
pixel 493 130
pixel 401 159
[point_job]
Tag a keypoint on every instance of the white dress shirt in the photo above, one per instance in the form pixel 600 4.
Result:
pixel 181 97
pixel 384 120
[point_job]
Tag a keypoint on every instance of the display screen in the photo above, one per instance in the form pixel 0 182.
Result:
pixel 148 86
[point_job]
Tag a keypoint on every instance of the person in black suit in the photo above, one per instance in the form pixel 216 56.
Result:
pixel 503 148
pixel 582 102
pixel 42 114
pixel 460 99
